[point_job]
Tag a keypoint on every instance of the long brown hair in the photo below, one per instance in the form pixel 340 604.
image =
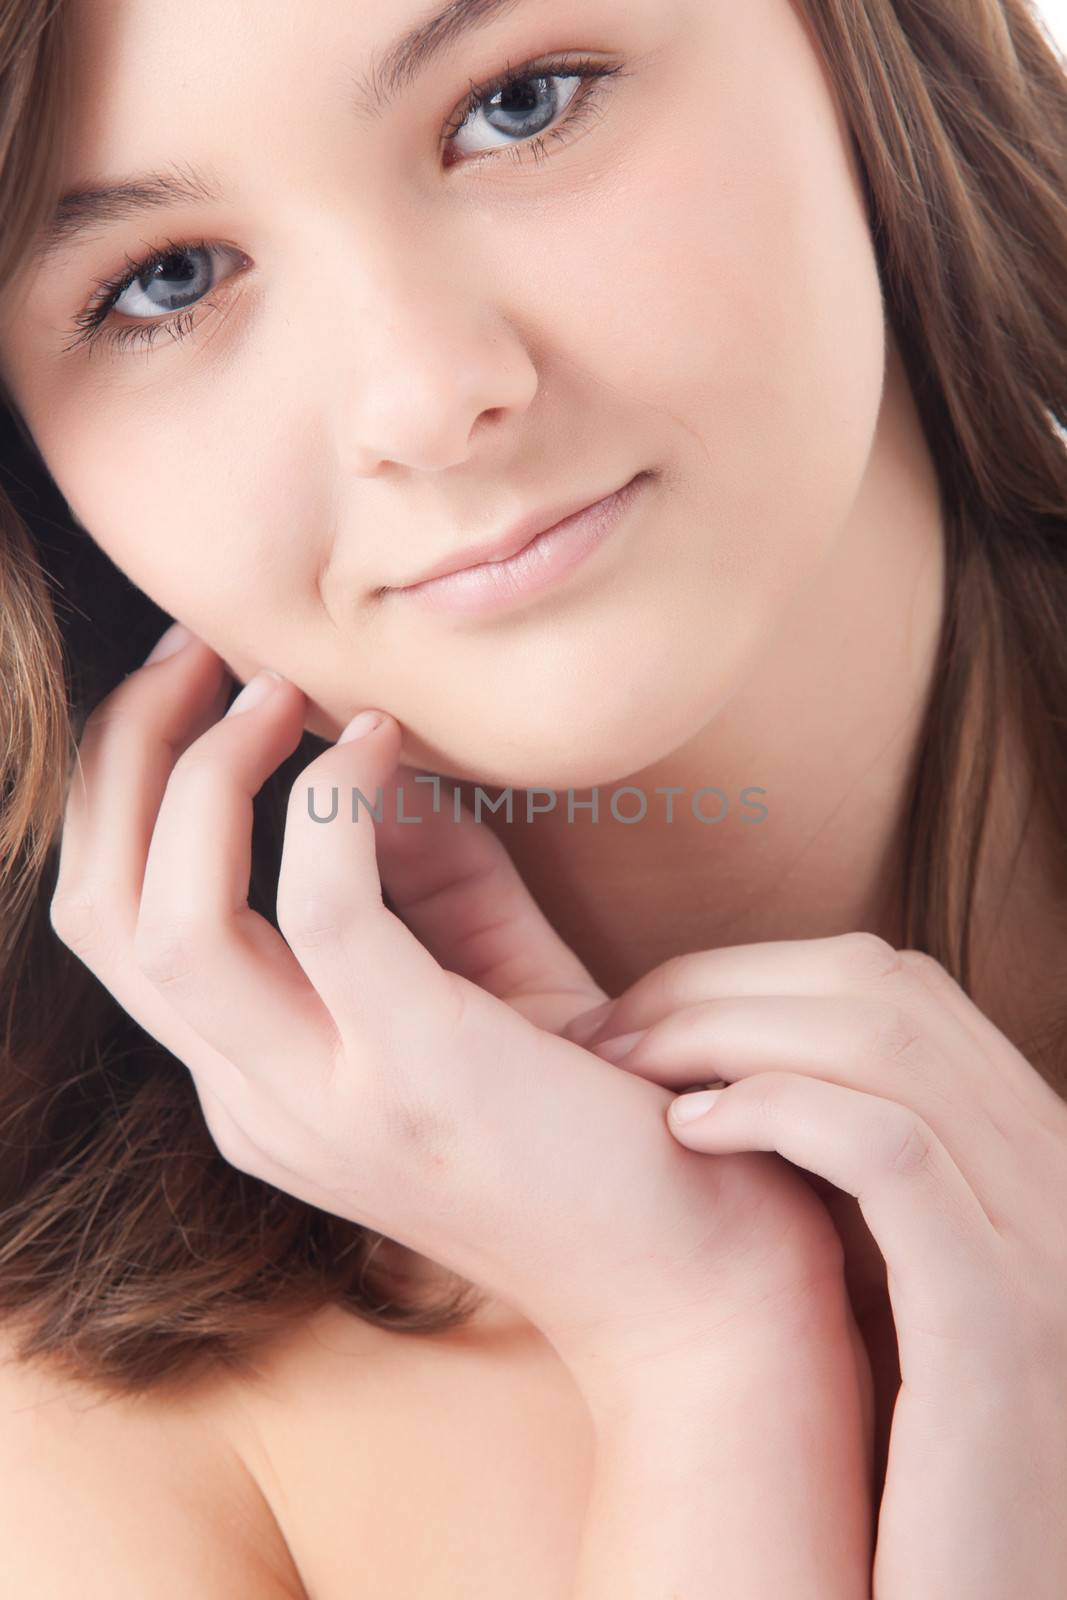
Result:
pixel 130 1251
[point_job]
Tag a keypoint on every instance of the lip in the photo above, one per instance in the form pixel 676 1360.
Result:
pixel 518 536
pixel 533 556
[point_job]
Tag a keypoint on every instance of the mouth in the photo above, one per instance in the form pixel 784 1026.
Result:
pixel 527 561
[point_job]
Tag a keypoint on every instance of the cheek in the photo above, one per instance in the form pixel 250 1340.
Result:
pixel 739 329
pixel 738 296
pixel 211 521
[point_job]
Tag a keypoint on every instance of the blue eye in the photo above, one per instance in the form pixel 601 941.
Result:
pixel 160 281
pixel 523 108
pixel 170 274
pixel 521 105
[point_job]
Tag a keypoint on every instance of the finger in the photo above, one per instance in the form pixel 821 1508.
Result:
pixel 127 751
pixel 942 1252
pixel 1016 1077
pixel 372 973
pixel 128 746
pixel 870 1045
pixel 860 964
pixel 454 884
pixel 223 969
pixel 591 1024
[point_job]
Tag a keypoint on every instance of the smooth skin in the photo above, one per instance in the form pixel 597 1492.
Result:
pixel 398 357
pixel 407 363
pixel 700 1307
pixel 881 1075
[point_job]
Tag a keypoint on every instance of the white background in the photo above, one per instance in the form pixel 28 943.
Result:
pixel 1055 14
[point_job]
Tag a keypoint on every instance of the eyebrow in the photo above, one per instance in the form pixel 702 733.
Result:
pixel 97 205
pixel 414 50
pixel 94 205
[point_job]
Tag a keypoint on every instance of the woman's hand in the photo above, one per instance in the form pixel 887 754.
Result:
pixel 873 1069
pixel 345 1065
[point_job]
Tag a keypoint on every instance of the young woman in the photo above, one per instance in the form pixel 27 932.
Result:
pixel 760 311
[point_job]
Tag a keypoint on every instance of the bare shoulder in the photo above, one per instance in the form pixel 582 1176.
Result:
pixel 115 1497
pixel 464 1454
pixel 345 1460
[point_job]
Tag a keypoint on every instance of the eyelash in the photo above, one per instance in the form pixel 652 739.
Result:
pixel 91 323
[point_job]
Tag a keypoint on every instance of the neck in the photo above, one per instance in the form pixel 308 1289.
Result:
pixel 823 720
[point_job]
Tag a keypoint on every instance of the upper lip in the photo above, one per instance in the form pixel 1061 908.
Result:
pixel 516 538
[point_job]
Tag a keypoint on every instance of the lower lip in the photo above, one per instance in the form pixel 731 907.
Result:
pixel 497 585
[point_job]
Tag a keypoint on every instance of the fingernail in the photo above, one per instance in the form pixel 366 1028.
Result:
pixel 586 1024
pixel 255 690
pixel 168 643
pixel 615 1049
pixel 689 1106
pixel 362 723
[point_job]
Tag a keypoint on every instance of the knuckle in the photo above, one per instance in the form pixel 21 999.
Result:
pixel 75 918
pixel 229 1133
pixel 904 1143
pixel 198 769
pixel 925 967
pixel 768 1094
pixel 678 979
pixel 312 916
pixel 864 956
pixel 226 1130
pixel 240 1153
pixel 921 962
pixel 895 1036
pixel 231 1144
pixel 166 953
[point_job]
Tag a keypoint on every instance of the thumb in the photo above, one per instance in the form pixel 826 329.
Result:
pixel 453 883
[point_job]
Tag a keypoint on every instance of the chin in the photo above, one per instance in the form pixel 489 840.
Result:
pixel 554 768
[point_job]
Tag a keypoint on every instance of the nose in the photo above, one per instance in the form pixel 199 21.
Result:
pixel 435 364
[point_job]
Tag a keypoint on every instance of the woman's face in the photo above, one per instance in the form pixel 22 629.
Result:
pixel 399 339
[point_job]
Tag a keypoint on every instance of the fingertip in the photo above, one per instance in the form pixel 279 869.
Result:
pixel 687 1108
pixel 362 724
pixel 582 1028
pixel 176 637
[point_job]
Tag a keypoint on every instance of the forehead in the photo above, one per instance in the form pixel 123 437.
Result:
pixel 131 53
pixel 163 74
pixel 202 77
